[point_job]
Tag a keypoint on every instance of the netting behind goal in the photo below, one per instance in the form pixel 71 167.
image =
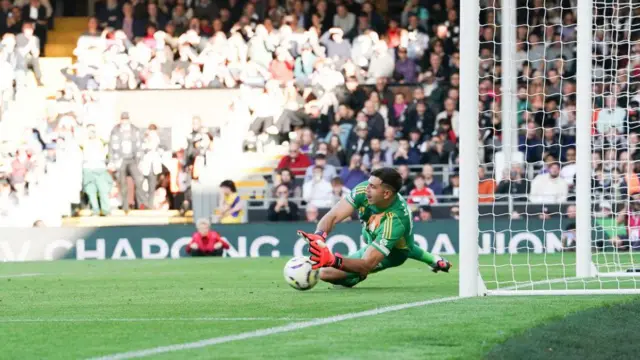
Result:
pixel 615 97
pixel 529 144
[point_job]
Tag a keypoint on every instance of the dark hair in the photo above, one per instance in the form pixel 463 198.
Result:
pixel 229 184
pixel 285 170
pixel 390 177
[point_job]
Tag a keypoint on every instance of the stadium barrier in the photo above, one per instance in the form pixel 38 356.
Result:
pixel 261 239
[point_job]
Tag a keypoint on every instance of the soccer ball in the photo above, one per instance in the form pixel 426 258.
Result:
pixel 299 274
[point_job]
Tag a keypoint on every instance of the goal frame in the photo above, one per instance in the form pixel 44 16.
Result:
pixel 470 280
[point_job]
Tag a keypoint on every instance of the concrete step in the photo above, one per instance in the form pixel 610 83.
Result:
pixel 71 24
pixel 63 37
pixel 59 50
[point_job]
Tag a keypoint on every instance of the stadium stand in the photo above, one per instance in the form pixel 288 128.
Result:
pixel 356 84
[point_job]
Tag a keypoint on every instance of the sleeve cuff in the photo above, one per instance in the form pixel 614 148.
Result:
pixel 382 249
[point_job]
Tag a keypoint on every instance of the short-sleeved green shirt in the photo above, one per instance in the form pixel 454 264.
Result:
pixel 385 229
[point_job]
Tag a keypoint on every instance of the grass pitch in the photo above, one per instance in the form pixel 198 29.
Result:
pixel 76 310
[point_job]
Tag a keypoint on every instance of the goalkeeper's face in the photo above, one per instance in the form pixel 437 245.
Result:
pixel 377 192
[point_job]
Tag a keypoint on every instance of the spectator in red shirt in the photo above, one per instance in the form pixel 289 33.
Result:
pixel 296 161
pixel 206 242
pixel 421 194
pixel 281 67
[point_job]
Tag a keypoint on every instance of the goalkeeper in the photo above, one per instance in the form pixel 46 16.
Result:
pixel 387 230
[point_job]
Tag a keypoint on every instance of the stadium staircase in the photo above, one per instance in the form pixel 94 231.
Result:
pixel 62 40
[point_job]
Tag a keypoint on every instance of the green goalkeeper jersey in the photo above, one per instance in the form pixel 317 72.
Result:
pixel 385 229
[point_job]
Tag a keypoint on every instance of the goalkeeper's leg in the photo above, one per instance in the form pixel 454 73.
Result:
pixel 436 262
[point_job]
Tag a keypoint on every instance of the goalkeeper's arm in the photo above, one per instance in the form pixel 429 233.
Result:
pixel 339 212
pixel 372 257
pixel 322 257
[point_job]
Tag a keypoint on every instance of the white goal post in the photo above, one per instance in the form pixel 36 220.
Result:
pixel 580 250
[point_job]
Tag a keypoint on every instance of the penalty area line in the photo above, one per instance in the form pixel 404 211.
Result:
pixel 272 330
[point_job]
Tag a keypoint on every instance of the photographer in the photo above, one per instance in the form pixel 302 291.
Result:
pixel 283 209
pixel 206 242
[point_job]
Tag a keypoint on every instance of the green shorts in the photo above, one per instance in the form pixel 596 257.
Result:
pixel 395 258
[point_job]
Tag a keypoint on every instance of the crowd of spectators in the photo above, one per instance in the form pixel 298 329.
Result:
pixel 23 34
pixel 221 44
pixel 396 127
pixel 348 90
pixel 15 13
pixel 75 160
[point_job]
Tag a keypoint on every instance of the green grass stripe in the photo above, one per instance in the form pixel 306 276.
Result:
pixel 609 331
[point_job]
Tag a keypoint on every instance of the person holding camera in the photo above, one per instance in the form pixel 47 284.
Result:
pixel 282 209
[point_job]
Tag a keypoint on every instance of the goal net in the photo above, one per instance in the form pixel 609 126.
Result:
pixel 554 162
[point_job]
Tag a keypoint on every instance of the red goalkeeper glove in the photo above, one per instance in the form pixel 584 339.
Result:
pixel 320 253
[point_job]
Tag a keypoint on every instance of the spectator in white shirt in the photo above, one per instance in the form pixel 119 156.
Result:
pixel 339 191
pixel 449 113
pixel 611 117
pixel 382 63
pixel 385 157
pixel 549 188
pixel 321 161
pixel 317 191
pixel 569 169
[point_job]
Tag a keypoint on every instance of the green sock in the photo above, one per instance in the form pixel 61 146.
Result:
pixel 416 253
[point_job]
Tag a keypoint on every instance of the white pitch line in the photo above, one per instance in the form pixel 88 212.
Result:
pixel 9 276
pixel 270 331
pixel 529 285
pixel 72 320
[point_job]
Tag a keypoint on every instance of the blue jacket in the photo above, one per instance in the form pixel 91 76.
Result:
pixel 351 178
